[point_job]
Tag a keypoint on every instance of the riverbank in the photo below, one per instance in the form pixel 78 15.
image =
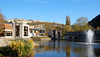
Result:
pixel 13 46
pixel 5 41
pixel 41 38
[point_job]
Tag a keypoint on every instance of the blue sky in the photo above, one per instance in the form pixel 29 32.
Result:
pixel 50 10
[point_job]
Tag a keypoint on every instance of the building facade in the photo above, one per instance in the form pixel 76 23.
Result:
pixel 20 30
pixel 13 30
pixel 81 36
pixel 37 32
pixel 55 34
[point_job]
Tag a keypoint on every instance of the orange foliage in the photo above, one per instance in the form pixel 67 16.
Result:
pixel 2 18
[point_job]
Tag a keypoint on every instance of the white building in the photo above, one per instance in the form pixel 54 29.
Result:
pixel 37 32
pixel 13 30
pixel 20 30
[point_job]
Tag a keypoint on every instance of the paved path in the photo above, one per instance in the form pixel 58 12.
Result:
pixel 4 42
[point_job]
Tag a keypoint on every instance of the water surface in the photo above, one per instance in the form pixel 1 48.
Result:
pixel 67 49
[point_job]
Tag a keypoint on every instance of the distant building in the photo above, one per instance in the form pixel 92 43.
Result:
pixel 37 32
pixel 20 20
pixel 39 25
pixel 29 21
pixel 81 36
pixel 34 21
pixel 76 36
pixel 55 34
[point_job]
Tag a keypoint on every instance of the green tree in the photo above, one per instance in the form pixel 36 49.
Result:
pixel 82 21
pixel 66 29
pixel 75 27
pixel 81 24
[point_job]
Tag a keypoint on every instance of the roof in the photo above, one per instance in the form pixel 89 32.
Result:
pixel 5 26
pixel 31 26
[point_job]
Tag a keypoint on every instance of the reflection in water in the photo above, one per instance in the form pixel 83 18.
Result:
pixel 79 51
pixel 90 51
pixel 97 52
pixel 83 51
pixel 66 49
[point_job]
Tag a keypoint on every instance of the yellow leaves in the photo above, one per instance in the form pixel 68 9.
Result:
pixel 20 43
pixel 12 44
pixel 31 42
pixel 22 46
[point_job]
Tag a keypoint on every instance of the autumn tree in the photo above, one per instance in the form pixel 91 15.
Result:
pixel 2 18
pixel 2 21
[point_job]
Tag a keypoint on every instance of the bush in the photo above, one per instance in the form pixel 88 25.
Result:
pixel 18 48
pixel 22 47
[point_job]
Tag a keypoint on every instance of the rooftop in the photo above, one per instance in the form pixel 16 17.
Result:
pixel 5 26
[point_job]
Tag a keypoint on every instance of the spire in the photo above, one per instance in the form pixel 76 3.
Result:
pixel 68 21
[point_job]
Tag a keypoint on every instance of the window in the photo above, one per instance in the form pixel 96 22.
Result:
pixel 25 31
pixel 17 30
pixel 42 31
pixel 34 31
pixel 30 30
pixel 8 33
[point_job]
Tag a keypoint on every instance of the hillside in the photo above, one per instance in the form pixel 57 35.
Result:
pixel 95 22
pixel 49 26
